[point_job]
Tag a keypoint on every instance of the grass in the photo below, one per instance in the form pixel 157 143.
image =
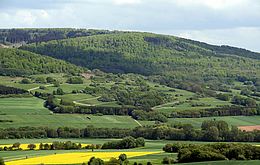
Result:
pixel 22 106
pixel 75 97
pixel 15 82
pixel 231 120
pixel 68 120
pixel 207 102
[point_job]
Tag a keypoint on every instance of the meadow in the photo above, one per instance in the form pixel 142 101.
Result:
pixel 231 120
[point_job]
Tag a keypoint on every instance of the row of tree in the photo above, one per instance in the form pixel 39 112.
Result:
pixel 210 131
pixel 5 90
pixel 125 143
pixel 218 111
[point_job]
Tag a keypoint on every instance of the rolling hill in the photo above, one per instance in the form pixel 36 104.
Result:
pixel 19 62
pixel 167 58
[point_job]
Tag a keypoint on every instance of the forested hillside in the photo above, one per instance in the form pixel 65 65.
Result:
pixel 19 62
pixel 14 36
pixel 172 59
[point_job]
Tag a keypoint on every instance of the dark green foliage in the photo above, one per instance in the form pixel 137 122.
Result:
pixel 40 80
pixel 244 101
pixel 2 161
pixel 75 80
pixel 168 160
pixel 148 132
pixel 95 161
pixel 215 151
pixel 224 97
pixel 31 35
pixel 221 111
pixel 25 81
pixel 31 146
pixel 68 145
pixel 16 62
pixel 150 116
pixel 59 91
pixel 125 143
pixel 50 80
pixel 5 90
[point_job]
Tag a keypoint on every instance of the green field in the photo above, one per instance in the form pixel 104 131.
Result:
pixel 30 112
pixel 205 103
pixel 68 120
pixel 231 120
pixel 22 106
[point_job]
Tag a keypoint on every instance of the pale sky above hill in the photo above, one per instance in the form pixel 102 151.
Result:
pixel 229 22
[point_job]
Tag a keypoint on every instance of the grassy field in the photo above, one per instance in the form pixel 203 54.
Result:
pixel 22 106
pixel 68 120
pixel 231 120
pixel 31 112
pixel 204 103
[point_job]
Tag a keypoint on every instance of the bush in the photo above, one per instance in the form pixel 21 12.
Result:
pixel 25 81
pixel 75 80
pixel 125 143
pixel 50 80
pixel 95 161
pixel 2 161
pixel 168 160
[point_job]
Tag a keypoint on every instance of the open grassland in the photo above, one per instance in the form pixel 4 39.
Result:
pixel 30 112
pixel 15 82
pixel 22 106
pixel 68 120
pixel 201 103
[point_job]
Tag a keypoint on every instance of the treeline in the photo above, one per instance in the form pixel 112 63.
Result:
pixel 45 34
pixel 5 90
pixel 210 131
pixel 14 62
pixel 63 132
pixel 213 152
pixel 218 111
pixel 125 143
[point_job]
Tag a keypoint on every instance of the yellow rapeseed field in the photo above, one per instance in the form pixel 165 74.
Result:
pixel 25 146
pixel 72 158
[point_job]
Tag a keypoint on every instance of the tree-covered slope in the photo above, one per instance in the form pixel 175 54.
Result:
pixel 19 62
pixel 150 54
pixel 36 35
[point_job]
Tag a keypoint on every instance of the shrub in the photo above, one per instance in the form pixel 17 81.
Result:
pixel 2 161
pixel 75 80
pixel 168 160
pixel 25 81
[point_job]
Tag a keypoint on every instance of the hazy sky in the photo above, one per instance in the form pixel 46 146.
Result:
pixel 230 22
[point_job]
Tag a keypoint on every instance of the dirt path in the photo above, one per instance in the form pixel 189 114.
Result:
pixel 138 123
pixel 83 104
pixel 29 90
pixel 160 106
